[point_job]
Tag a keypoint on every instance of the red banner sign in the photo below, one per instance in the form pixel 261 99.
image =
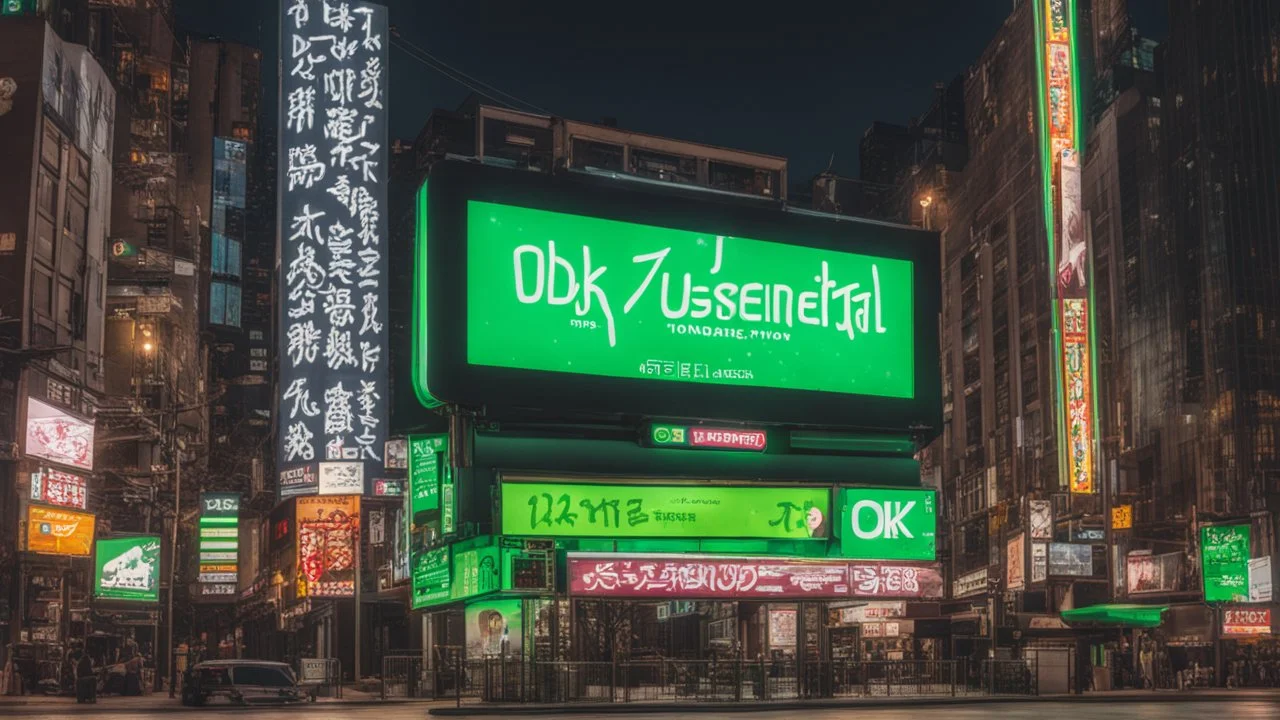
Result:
pixel 693 576
pixel 726 439
pixel 55 487
pixel 1246 622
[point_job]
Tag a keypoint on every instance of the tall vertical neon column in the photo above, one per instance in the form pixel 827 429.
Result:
pixel 1058 82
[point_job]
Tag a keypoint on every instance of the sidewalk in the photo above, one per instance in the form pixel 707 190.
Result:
pixel 161 703
pixel 1116 696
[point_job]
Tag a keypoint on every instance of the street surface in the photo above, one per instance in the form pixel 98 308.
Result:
pixel 1241 709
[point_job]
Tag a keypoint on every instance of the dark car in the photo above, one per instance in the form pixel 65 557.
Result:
pixel 242 682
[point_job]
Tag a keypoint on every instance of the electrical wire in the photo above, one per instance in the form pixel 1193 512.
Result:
pixel 456 75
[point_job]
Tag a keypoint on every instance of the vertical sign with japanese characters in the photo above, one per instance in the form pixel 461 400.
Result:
pixel 333 250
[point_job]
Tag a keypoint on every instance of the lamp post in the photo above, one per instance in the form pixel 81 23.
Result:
pixel 925 202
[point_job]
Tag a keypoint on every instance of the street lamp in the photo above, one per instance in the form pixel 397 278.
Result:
pixel 925 202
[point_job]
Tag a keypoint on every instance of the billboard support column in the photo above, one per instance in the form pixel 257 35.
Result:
pixel 355 666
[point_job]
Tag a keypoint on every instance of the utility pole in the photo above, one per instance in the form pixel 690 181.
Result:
pixel 355 666
pixel 173 563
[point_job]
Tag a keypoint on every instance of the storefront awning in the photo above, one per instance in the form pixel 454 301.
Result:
pixel 1143 616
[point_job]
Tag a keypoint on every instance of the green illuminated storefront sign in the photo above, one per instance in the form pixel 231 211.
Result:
pixel 1224 560
pixel 568 293
pixel 431 577
pixel 666 511
pixel 127 569
pixel 885 524
pixel 428 464
pixel 475 572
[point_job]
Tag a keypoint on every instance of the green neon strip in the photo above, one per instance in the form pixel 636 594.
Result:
pixel 1046 173
pixel 418 369
pixel 219 520
pixel 1077 100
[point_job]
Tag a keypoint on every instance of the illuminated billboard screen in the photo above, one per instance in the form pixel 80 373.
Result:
pixel 57 531
pixel 127 568
pixel 333 228
pixel 541 291
pixel 328 539
pixel 57 436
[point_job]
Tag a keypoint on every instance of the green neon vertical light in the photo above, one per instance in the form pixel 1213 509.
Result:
pixel 418 370
pixel 1046 175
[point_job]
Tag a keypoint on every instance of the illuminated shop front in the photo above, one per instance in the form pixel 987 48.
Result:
pixel 678 428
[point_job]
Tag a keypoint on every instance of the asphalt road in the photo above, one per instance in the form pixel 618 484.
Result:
pixel 1241 710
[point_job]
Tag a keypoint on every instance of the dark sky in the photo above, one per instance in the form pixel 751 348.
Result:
pixel 798 78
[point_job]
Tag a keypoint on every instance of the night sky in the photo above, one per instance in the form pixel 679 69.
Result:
pixel 797 79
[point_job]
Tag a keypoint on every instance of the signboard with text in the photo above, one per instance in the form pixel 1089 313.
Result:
pixel 55 435
pixel 328 540
pixel 1071 559
pixel 592 297
pixel 681 511
pixel 1224 563
pixel 219 546
pixel 1246 621
pixel 58 531
pixel 333 229
pixel 888 524
pixel 706 438
pixel 54 487
pixel 127 568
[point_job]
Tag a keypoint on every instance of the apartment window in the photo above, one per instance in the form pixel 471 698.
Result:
pixel 42 293
pixel 661 166
pixel 597 155
pixel 224 304
pixel 47 193
pixel 51 145
pixel 44 239
pixel 742 179
pixel 224 255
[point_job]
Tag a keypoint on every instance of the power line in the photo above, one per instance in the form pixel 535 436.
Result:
pixel 447 70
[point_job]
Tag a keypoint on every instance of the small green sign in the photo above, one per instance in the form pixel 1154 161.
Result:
pixel 556 292
pixel 888 524
pixel 431 578
pixel 127 569
pixel 428 460
pixel 670 511
pixel 1224 562
pixel 476 572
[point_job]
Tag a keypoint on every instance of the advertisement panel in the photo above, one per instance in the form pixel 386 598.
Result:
pixel 328 540
pixel 333 228
pixel 341 478
pixel 1071 559
pixel 54 487
pixel 1015 564
pixel 1122 517
pixel 428 458
pixel 219 547
pixel 127 568
pixel 1246 621
pixel 55 531
pixel 705 577
pixel 56 436
pixel 698 511
pixel 432 577
pixel 395 454
pixel 1147 573
pixel 494 628
pixel 711 316
pixel 298 481
pixel 970 584
pixel 1041 512
pixel 1039 562
pixel 476 572
pixel 888 524
pixel 1224 563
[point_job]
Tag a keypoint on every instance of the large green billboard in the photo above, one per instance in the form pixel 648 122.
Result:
pixel 1224 562
pixel 576 294
pixel 664 511
pixel 888 524
pixel 550 291
pixel 127 568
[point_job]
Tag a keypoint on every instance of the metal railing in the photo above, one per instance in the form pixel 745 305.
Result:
pixel 663 680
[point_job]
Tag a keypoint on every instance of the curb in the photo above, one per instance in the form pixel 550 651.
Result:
pixel 852 703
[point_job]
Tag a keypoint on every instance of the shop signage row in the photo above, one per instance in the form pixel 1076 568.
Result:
pixel 706 438
pixel 1246 621
pixel 747 578
pixel 324 478
pixel 219 547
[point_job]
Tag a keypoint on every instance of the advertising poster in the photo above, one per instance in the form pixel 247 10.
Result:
pixel 54 487
pixel 127 569
pixel 300 480
pixel 888 524
pixel 494 628
pixel 54 435
pixel 431 577
pixel 782 628
pixel 328 536
pixel 476 572
pixel 1039 562
pixel 396 454
pixel 1079 400
pixel 428 457
pixel 1041 512
pixel 600 510
pixel 1246 621
pixel 915 580
pixel 55 531
pixel 341 478
pixel 1260 579
pixel 969 584
pixel 1224 563
pixel 1015 552
pixel 1147 573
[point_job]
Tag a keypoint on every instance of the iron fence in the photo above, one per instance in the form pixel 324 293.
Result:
pixel 677 681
